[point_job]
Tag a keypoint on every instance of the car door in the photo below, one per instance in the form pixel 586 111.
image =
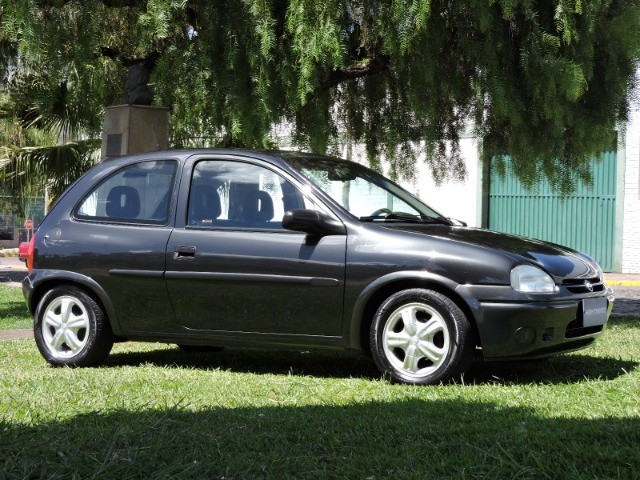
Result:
pixel 117 236
pixel 233 269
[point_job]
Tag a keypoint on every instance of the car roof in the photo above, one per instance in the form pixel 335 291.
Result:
pixel 276 157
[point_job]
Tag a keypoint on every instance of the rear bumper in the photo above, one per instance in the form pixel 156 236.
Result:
pixel 532 327
pixel 27 291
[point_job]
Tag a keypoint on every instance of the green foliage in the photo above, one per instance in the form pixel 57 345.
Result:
pixel 39 150
pixel 544 82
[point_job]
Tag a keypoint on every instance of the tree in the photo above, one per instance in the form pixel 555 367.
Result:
pixel 37 157
pixel 47 133
pixel 544 81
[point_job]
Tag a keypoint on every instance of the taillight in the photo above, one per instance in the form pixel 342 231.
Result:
pixel 30 253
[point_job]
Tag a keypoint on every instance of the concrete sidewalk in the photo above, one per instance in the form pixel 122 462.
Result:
pixel 11 262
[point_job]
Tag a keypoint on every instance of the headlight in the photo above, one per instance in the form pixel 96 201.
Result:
pixel 530 279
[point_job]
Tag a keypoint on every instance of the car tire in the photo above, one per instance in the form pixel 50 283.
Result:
pixel 199 348
pixel 71 329
pixel 421 337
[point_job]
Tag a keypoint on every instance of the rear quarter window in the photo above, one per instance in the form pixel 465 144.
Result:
pixel 138 193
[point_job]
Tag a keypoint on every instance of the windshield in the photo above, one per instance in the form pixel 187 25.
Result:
pixel 363 192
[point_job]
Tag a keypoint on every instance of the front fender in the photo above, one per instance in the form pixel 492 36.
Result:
pixel 418 278
pixel 39 281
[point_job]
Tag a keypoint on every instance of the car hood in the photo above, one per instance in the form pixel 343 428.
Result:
pixel 560 262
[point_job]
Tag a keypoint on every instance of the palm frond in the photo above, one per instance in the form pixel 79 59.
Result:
pixel 28 170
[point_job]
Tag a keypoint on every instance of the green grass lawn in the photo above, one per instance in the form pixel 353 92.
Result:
pixel 155 412
pixel 13 309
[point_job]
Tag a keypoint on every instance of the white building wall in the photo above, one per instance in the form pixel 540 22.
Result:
pixel 631 212
pixel 456 199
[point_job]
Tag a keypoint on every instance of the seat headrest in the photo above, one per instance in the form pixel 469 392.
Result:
pixel 123 202
pixel 257 207
pixel 204 205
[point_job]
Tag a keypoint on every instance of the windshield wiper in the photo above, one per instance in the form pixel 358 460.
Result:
pixel 394 217
pixel 406 217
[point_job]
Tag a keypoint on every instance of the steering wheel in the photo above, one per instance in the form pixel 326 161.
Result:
pixel 381 211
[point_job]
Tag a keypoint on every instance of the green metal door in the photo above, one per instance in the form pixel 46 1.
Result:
pixel 584 221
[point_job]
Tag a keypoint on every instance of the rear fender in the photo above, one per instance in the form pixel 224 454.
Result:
pixel 40 281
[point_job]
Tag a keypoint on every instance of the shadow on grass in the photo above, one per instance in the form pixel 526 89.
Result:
pixel 408 439
pixel 279 362
pixel 558 370
pixel 14 309
pixel 562 369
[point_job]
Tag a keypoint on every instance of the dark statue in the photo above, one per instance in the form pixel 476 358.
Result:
pixel 138 92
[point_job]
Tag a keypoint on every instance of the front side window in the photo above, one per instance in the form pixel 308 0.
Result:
pixel 240 195
pixel 138 193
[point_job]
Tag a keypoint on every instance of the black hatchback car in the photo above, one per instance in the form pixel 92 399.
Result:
pixel 215 248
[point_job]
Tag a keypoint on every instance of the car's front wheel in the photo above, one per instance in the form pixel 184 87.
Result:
pixel 421 337
pixel 71 329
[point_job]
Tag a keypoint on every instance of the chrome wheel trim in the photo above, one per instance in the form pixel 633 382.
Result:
pixel 65 327
pixel 416 340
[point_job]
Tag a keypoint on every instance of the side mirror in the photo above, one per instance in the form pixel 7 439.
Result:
pixel 312 222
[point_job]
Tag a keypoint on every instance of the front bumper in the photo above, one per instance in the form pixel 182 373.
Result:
pixel 530 326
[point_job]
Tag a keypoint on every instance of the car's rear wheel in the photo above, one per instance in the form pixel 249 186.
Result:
pixel 71 329
pixel 421 337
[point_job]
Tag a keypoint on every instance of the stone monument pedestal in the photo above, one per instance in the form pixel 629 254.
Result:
pixel 134 129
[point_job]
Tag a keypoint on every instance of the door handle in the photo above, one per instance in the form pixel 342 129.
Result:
pixel 183 252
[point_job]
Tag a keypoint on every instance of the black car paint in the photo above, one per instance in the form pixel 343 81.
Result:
pixel 289 288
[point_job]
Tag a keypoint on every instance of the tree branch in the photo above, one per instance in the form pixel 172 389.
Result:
pixel 149 60
pixel 107 3
pixel 363 68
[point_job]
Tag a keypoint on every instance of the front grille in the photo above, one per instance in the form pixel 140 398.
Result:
pixel 580 285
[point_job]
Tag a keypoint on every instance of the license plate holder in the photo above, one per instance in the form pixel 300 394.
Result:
pixel 594 312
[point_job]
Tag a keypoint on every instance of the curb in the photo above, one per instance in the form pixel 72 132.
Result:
pixel 18 334
pixel 622 283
